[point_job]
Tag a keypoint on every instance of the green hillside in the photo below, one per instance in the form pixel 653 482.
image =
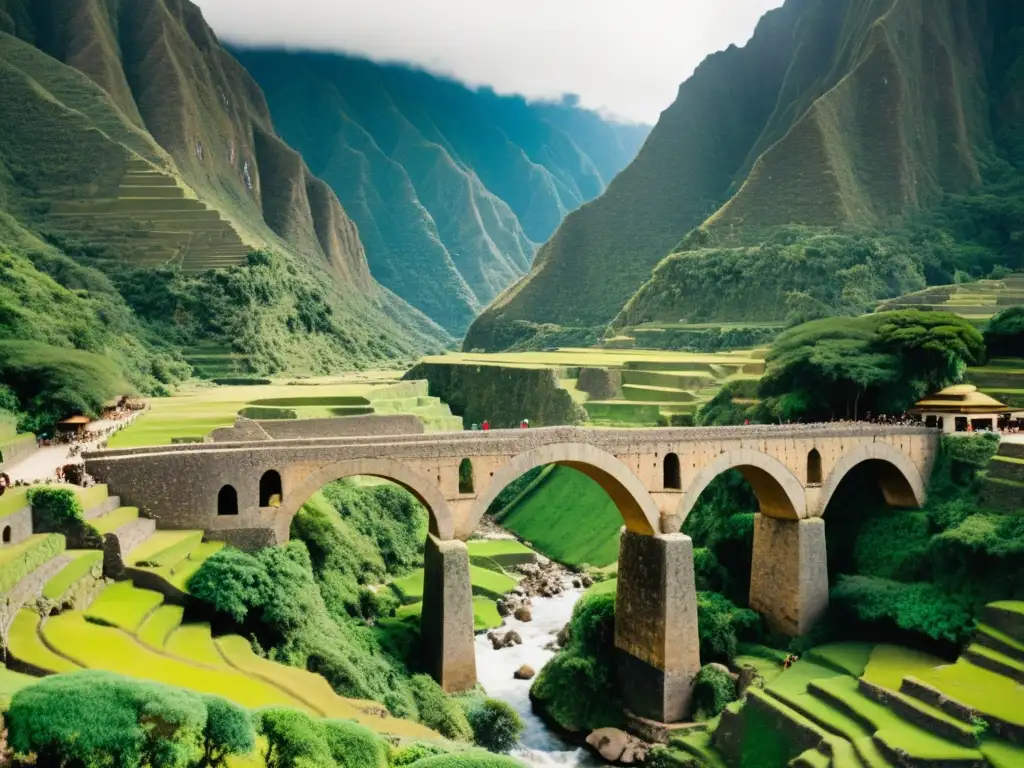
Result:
pixel 777 195
pixel 136 155
pixel 451 188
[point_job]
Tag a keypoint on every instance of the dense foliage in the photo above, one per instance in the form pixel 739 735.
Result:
pixel 920 576
pixel 883 363
pixel 295 740
pixel 1004 334
pixel 578 688
pixel 713 688
pixel 496 726
pixel 59 510
pixel 97 718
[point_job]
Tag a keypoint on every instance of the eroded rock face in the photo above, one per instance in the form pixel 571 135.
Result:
pixel 617 746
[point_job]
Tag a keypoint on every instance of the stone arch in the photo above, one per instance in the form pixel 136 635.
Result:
pixel 779 492
pixel 901 480
pixel 671 479
pixel 639 511
pixel 227 501
pixel 426 492
pixel 814 467
pixel 270 486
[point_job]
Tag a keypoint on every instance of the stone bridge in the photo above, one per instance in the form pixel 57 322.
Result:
pixel 248 492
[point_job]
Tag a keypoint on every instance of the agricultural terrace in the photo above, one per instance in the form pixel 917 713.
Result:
pixel 199 408
pixel 626 387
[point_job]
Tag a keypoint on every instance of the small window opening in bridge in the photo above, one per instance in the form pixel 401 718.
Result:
pixel 466 476
pixel 227 501
pixel 670 472
pixel 7 534
pixel 814 467
pixel 270 489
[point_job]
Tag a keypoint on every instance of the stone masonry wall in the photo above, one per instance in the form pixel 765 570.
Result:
pixel 20 524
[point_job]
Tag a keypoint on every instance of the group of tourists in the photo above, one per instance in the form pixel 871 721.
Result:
pixel 485 425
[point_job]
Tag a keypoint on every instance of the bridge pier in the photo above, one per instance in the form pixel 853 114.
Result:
pixel 789 573
pixel 446 622
pixel 656 625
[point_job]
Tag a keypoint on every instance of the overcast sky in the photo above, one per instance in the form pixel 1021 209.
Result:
pixel 626 57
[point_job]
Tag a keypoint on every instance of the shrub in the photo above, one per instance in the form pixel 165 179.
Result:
pixel 439 711
pixel 241 382
pixel 229 731
pixel 470 760
pixel 295 740
pixel 420 750
pixel 1004 334
pixel 578 687
pixel 918 607
pixel 722 625
pixel 58 510
pixel 97 718
pixel 496 726
pixel 353 745
pixel 713 688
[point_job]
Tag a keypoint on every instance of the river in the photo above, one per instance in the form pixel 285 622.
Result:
pixel 539 746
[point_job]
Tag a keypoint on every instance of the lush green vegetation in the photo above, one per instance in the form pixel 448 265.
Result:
pixel 95 718
pixel 1004 334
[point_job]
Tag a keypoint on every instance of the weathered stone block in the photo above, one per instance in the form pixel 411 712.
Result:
pixel 446 622
pixel 789 573
pixel 656 625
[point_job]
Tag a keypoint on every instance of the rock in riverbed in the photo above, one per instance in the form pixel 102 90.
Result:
pixel 525 672
pixel 617 746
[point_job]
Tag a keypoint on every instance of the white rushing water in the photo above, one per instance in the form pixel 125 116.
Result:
pixel 539 746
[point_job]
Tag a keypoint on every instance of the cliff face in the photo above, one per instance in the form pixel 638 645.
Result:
pixel 838 116
pixel 451 188
pixel 126 128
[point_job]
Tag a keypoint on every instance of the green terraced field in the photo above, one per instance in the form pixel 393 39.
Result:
pixel 114 519
pixel 501 553
pixel 10 683
pixel 977 301
pixel 84 562
pixel 25 644
pixel 159 625
pixel 165 548
pixel 124 606
pixel 486 583
pixel 177 574
pixel 197 410
pixel 19 560
pixel 485 613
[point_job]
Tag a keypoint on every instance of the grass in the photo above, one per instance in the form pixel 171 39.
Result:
pixel 159 625
pixel 486 583
pixel 850 658
pixel 19 560
pixel 178 574
pixel 24 643
pixel 165 548
pixel 84 562
pixel 485 613
pixel 10 683
pixel 113 520
pixel 502 552
pixel 14 500
pixel 124 606
pixel 889 664
pixel 570 518
pixel 193 643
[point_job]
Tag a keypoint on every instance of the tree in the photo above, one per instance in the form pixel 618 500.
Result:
pixel 229 731
pixel 884 362
pixel 1004 334
pixel 496 726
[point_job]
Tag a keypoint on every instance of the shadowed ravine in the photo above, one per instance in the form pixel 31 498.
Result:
pixel 539 745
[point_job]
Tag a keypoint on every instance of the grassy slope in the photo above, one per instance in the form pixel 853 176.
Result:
pixel 450 187
pixel 785 143
pixel 569 518
pixel 72 127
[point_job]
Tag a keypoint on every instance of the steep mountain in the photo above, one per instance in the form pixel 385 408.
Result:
pixel 851 150
pixel 136 153
pixel 451 188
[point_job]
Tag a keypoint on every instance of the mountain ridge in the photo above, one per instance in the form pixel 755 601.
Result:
pixel 446 183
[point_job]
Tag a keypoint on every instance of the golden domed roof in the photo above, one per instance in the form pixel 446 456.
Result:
pixel 960 398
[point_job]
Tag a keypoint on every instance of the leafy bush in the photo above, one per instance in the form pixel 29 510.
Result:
pixel 1004 334
pixel 97 718
pixel 496 726
pixel 722 625
pixel 295 740
pixel 58 510
pixel 241 381
pixel 439 711
pixel 409 754
pixel 53 383
pixel 578 687
pixel 470 760
pixel 713 688
pixel 920 607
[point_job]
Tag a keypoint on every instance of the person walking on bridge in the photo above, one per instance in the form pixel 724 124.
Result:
pixel 485 426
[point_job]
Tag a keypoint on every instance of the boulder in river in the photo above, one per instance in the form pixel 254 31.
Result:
pixel 617 746
pixel 506 640
pixel 525 672
pixel 523 613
